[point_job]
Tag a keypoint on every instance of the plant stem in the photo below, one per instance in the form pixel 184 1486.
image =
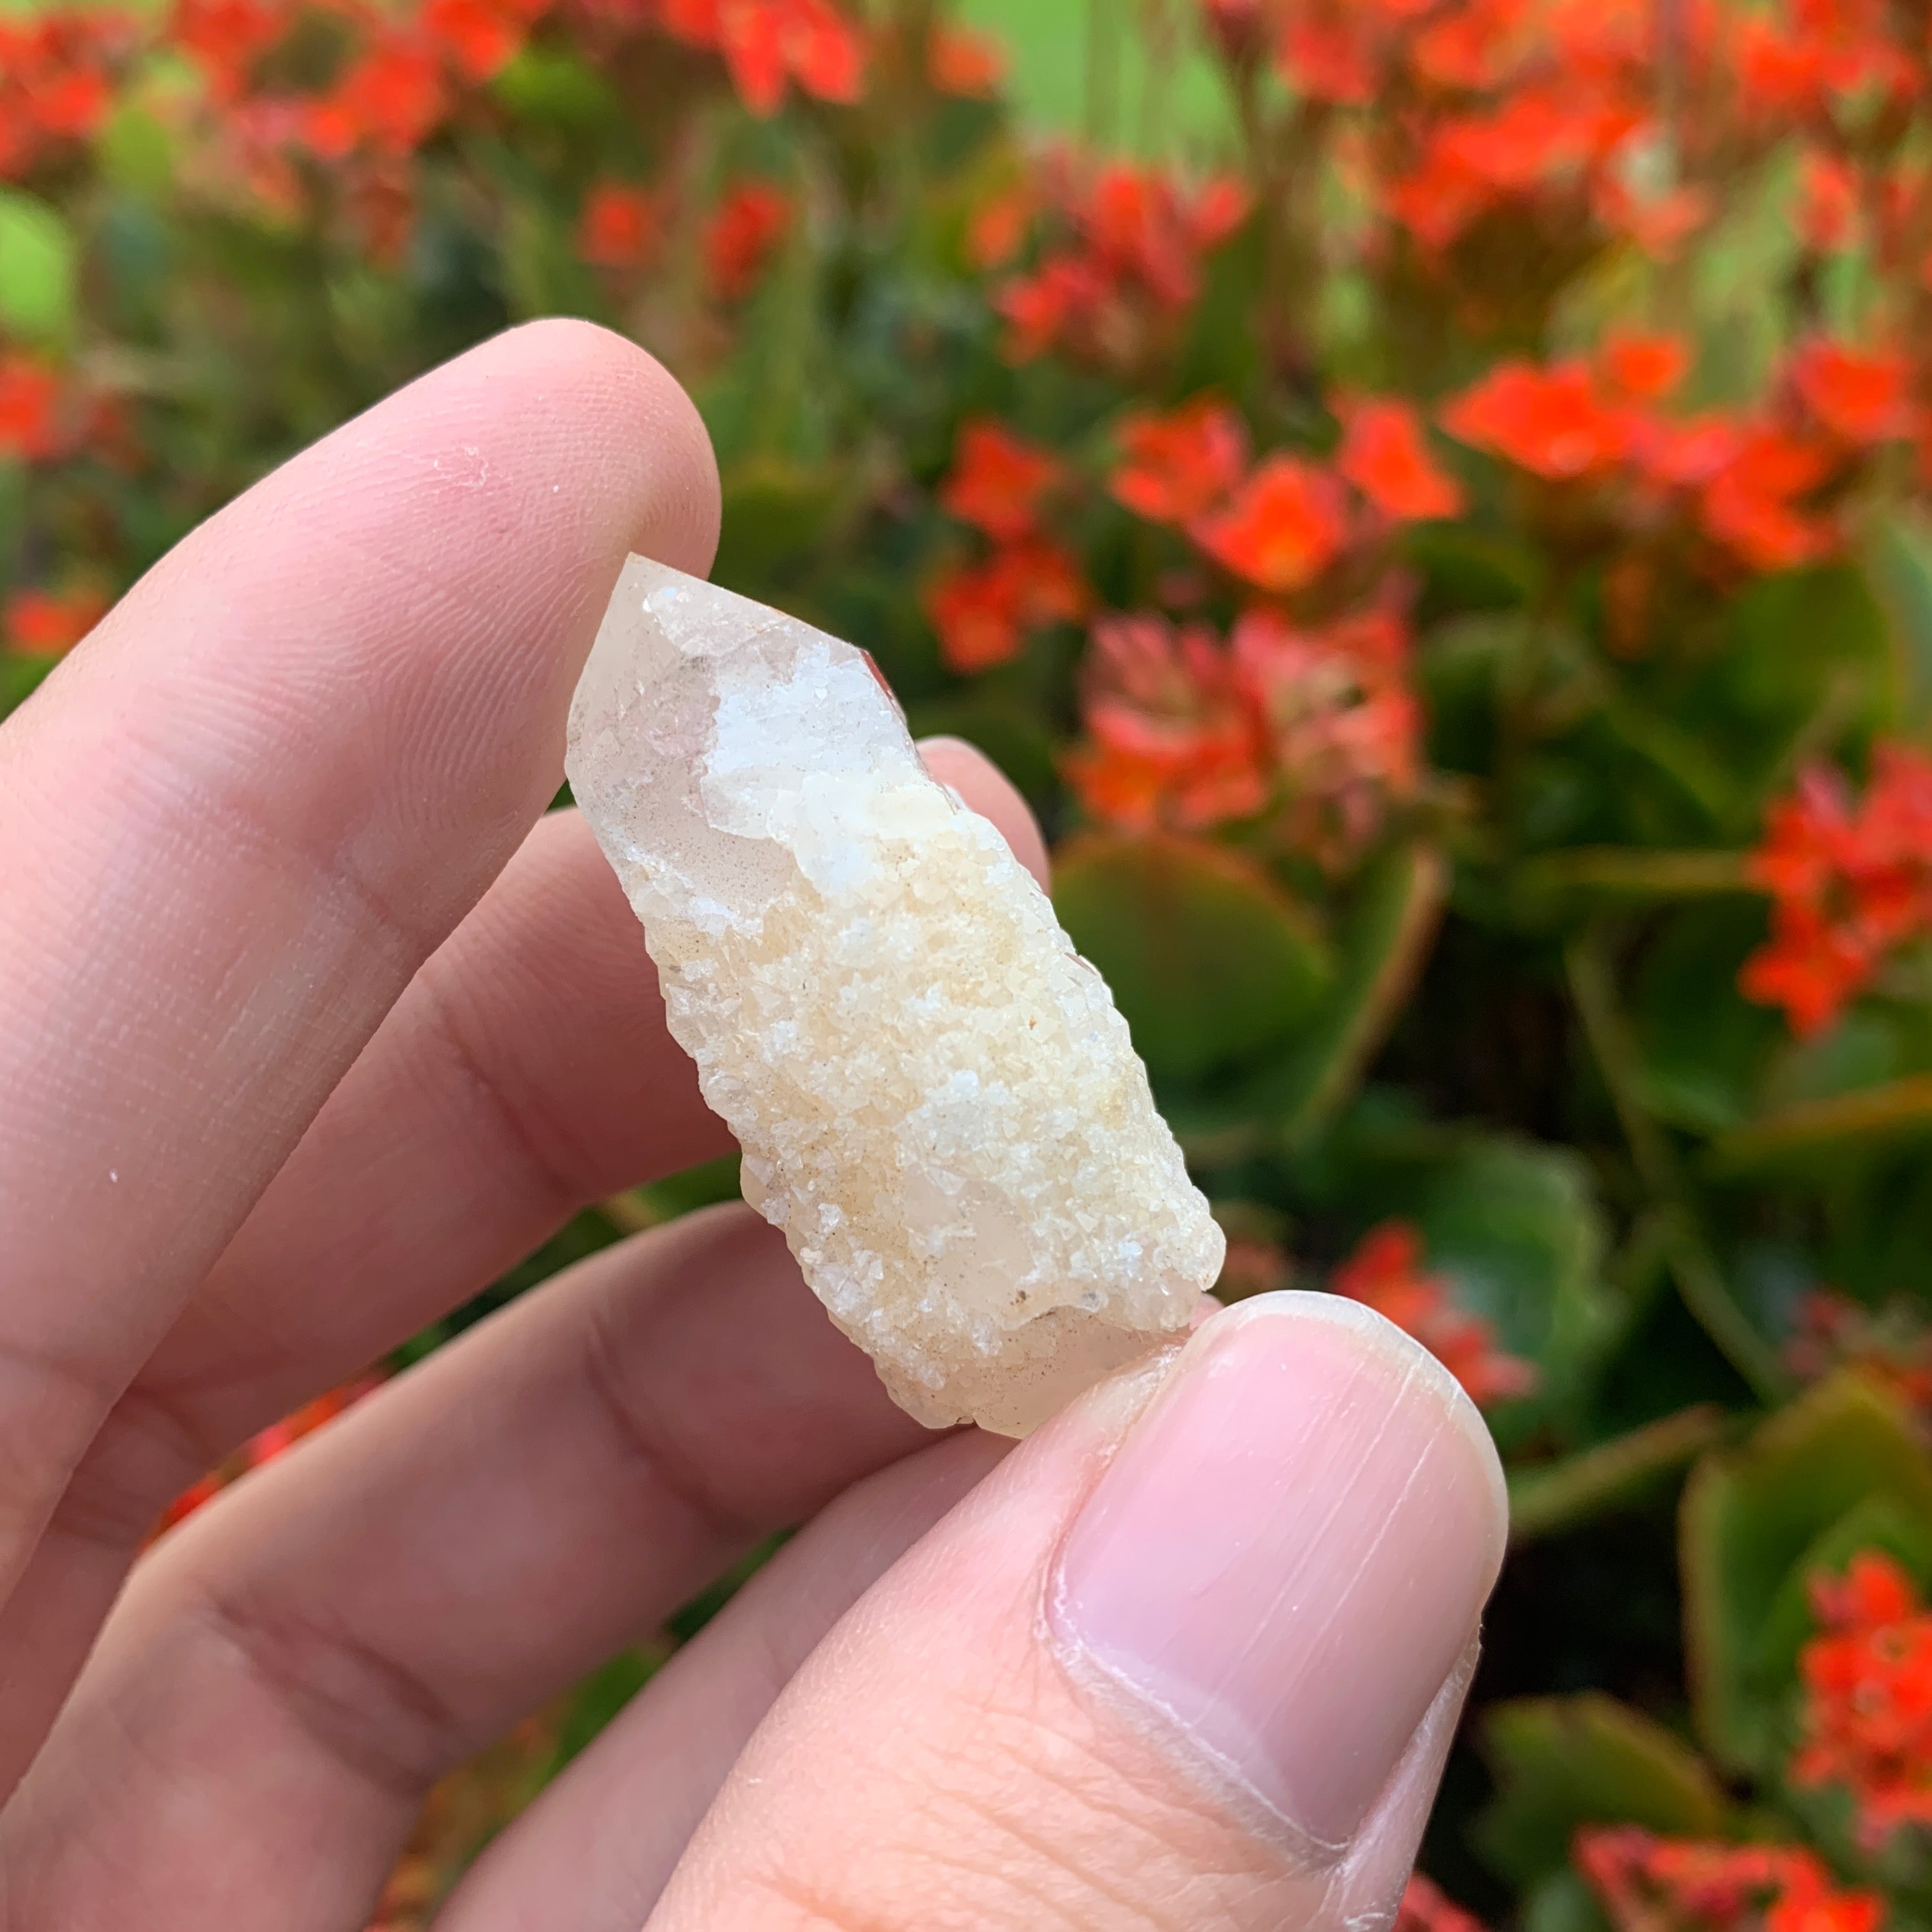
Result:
pixel 1700 1283
pixel 1562 1495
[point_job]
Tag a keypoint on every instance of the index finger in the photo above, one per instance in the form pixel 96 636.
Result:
pixel 245 811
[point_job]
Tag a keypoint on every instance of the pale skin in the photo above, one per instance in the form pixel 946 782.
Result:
pixel 314 1024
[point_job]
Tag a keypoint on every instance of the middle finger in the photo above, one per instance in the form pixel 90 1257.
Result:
pixel 288 1671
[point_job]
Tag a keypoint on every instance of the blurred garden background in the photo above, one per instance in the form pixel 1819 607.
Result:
pixel 1432 499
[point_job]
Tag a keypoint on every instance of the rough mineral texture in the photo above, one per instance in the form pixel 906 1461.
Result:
pixel 936 1101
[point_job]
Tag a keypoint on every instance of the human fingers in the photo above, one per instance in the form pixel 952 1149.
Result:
pixel 593 1851
pixel 288 1671
pixel 1189 1656
pixel 239 817
pixel 525 1071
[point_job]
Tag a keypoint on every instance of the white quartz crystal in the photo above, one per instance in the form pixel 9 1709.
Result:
pixel 936 1101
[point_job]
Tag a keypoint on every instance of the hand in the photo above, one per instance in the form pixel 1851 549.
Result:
pixel 313 1025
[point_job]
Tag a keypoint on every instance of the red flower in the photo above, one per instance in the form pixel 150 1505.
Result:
pixel 1760 525
pixel 1749 500
pixel 1383 454
pixel 1172 737
pixel 1383 1273
pixel 57 67
pixel 1551 422
pixel 393 98
pixel 1810 967
pixel 1469 49
pixel 1645 1882
pixel 1059 303
pixel 998 480
pixel 226 36
pixel 1135 262
pixel 29 401
pixel 1342 726
pixel 266 1446
pixel 1424 1908
pixel 1891 1344
pixel 738 239
pixel 997 230
pixel 1646 368
pixel 1283 526
pixel 1332 59
pixel 1827 210
pixel 1185 732
pixel 478 38
pixel 983 613
pixel 1867 1713
pixel 47 622
pixel 1860 396
pixel 619 227
pixel 1849 884
pixel 1176 467
pixel 959 61
pixel 766 43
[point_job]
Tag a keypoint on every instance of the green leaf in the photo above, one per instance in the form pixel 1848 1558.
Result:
pixel 20 677
pixel 1899 562
pixel 1806 660
pixel 1561 1902
pixel 1898 1112
pixel 1385 941
pixel 600 1697
pixel 1701 1046
pixel 37 268
pixel 1517 1226
pixel 1751 1516
pixel 1211 960
pixel 548 84
pixel 1561 1762
pixel 135 152
pixel 776 517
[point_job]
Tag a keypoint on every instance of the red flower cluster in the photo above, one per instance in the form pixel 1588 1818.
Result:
pixel 1750 482
pixel 1317 723
pixel 960 61
pixel 767 44
pixel 1175 468
pixel 1892 1344
pixel 1127 266
pixel 1560 114
pixel 620 227
pixel 57 74
pixel 30 410
pixel 1280 526
pixel 983 611
pixel 1849 883
pixel 266 1446
pixel 1650 1884
pixel 748 224
pixel 1385 1273
pixel 404 80
pixel 1868 1712
pixel 45 623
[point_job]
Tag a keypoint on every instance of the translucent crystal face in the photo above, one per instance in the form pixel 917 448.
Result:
pixel 937 1103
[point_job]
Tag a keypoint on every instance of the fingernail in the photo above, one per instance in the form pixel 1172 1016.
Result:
pixel 1288 1554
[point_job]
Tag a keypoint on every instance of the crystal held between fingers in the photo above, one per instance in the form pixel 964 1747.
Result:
pixel 936 1101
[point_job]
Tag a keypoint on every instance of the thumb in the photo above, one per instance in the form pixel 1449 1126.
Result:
pixel 1192 1655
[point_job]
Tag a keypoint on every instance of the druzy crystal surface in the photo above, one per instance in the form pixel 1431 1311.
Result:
pixel 936 1101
